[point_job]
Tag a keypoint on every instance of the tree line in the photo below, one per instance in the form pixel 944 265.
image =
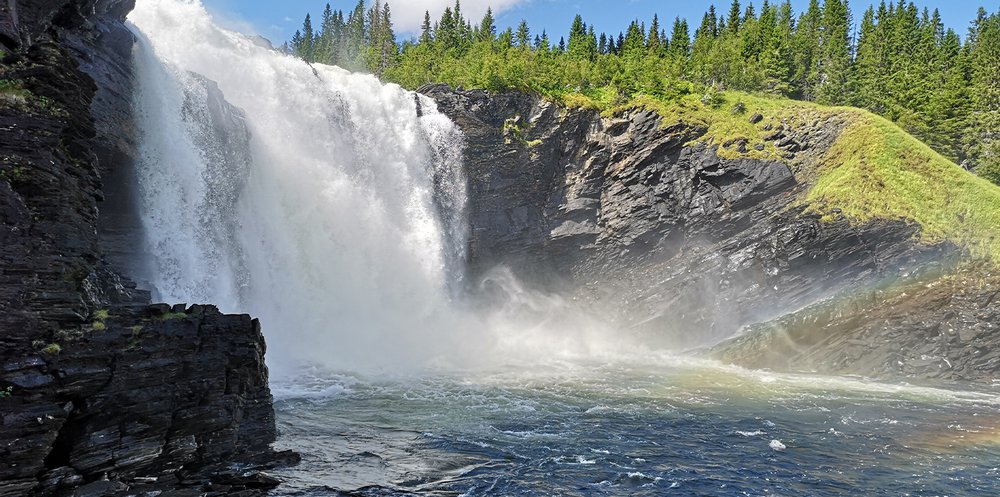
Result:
pixel 900 62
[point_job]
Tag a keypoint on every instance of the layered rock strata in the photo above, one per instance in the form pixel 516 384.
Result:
pixel 101 393
pixel 647 225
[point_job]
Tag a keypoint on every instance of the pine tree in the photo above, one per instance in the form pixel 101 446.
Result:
pixel 750 13
pixel 487 28
pixel 777 58
pixel 591 46
pixel 805 52
pixel 734 17
pixel 523 35
pixel 701 66
pixel 296 43
pixel 680 39
pixel 983 138
pixel 447 30
pixel 305 46
pixel 577 46
pixel 544 45
pixel 382 48
pixel 834 53
pixel 635 40
pixel 354 38
pixel 653 42
pixel 325 40
pixel 426 35
pixel 708 24
pixel 506 39
pixel 865 76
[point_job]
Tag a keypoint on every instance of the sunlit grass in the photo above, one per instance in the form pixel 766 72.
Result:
pixel 876 170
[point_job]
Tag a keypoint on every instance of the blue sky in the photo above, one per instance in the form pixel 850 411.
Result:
pixel 277 20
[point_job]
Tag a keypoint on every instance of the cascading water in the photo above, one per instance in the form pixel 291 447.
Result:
pixel 331 206
pixel 326 203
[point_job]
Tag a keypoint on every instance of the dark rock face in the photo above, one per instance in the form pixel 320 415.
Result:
pixel 100 393
pixel 656 231
pixel 147 397
pixel 22 22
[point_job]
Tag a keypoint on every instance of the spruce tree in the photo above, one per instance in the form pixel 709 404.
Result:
pixel 523 35
pixel 306 46
pixel 487 28
pixel 426 35
pixel 983 137
pixel 680 39
pixel 577 46
pixel 805 52
pixel 734 17
pixel 834 53
pixel 653 42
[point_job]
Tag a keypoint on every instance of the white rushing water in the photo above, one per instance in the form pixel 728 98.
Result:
pixel 323 217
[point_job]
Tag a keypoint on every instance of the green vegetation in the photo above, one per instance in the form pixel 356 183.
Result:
pixel 512 132
pixel 902 64
pixel 98 324
pixel 136 340
pixel 172 315
pixel 875 170
pixel 12 94
pixel 6 392
pixel 52 349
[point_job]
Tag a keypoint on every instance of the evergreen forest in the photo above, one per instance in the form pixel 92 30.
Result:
pixel 898 61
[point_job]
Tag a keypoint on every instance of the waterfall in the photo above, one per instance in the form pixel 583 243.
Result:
pixel 326 203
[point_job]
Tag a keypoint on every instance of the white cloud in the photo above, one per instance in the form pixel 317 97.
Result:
pixel 408 15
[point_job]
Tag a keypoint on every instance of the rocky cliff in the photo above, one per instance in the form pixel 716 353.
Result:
pixel 642 219
pixel 100 392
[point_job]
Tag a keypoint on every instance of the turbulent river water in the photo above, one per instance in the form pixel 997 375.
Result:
pixel 331 206
pixel 636 427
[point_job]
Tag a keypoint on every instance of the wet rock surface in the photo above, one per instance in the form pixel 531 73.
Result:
pixel 102 394
pixel 944 328
pixel 658 234
pixel 148 397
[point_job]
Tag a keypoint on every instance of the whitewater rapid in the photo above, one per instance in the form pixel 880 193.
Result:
pixel 328 204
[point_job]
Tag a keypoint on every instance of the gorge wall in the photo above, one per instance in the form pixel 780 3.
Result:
pixel 638 218
pixel 102 393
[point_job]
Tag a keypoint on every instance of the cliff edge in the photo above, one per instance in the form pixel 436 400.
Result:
pixel 686 236
pixel 102 393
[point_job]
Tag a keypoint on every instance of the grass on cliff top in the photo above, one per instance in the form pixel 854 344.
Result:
pixel 874 170
pixel 877 170
pixel 725 116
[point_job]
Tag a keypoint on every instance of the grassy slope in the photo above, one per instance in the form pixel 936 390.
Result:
pixel 873 170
